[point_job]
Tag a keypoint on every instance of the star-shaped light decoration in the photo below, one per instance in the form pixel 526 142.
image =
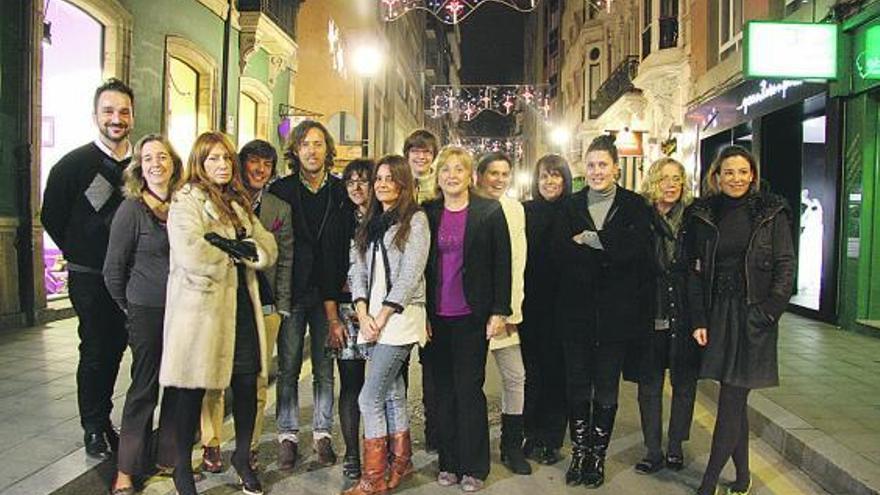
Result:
pixel 471 100
pixel 448 11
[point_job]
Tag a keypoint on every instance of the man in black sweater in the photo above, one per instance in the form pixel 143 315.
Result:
pixel 81 197
pixel 316 198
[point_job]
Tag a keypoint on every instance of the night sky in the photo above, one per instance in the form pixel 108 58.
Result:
pixel 492 53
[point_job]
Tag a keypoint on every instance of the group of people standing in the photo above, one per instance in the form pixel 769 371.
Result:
pixel 204 268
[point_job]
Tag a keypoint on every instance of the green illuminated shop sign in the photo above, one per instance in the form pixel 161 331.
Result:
pixel 868 62
pixel 790 50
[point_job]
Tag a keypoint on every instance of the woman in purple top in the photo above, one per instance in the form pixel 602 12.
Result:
pixel 468 282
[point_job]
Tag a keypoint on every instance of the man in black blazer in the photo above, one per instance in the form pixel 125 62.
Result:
pixel 316 198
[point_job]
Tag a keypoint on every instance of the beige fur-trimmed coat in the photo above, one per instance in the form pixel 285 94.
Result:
pixel 199 336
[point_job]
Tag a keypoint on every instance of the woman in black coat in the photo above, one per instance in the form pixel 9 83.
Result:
pixel 544 412
pixel 740 274
pixel 341 316
pixel 603 237
pixel 667 188
pixel 468 286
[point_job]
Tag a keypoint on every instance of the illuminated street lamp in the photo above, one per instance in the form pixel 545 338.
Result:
pixel 367 64
pixel 560 137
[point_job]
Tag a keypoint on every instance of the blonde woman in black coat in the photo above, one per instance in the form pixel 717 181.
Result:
pixel 667 188
pixel 741 271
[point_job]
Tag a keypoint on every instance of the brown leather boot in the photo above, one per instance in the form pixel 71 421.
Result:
pixel 401 466
pixel 372 480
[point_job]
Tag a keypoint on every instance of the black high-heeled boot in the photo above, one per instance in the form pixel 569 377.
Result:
pixel 579 428
pixel 600 437
pixel 351 466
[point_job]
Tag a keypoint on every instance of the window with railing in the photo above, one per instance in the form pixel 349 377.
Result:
pixel 668 24
pixel 282 12
pixel 617 84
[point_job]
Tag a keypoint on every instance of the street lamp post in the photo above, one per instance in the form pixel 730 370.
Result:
pixel 367 63
pixel 365 120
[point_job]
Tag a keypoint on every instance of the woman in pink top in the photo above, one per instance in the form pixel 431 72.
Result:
pixel 468 282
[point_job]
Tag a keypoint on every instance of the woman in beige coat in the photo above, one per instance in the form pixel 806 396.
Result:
pixel 214 334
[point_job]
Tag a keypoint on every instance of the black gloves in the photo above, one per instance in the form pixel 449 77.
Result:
pixel 238 250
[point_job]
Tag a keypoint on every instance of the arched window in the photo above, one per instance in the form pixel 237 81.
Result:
pixel 254 115
pixel 190 77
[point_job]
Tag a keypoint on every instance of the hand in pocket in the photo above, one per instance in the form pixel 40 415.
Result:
pixel 758 318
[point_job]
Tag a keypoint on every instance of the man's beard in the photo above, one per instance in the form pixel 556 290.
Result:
pixel 105 131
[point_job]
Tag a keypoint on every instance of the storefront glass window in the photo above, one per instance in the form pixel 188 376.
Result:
pixel 812 226
pixel 71 66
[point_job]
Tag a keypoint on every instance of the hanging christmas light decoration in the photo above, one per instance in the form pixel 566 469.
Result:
pixel 465 102
pixel 448 11
pixel 479 145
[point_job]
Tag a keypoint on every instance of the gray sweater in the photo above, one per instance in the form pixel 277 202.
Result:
pixel 136 265
pixel 407 267
pixel 600 203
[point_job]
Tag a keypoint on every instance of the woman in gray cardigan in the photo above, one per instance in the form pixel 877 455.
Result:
pixel 388 287
pixel 136 273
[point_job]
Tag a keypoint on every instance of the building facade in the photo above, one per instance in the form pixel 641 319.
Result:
pixel 416 51
pixel 791 126
pixel 615 67
pixel 858 90
pixel 193 65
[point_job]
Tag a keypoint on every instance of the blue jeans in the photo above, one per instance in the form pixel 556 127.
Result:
pixel 290 358
pixel 383 397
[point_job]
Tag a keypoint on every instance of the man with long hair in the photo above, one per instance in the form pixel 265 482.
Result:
pixel 316 198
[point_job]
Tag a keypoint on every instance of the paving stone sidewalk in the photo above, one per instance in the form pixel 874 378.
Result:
pixel 824 418
pixel 825 415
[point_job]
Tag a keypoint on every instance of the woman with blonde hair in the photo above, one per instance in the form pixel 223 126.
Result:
pixel 136 275
pixel 667 188
pixel 214 331
pixel 468 303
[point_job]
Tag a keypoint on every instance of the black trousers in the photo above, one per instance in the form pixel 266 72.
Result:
pixel 684 390
pixel 593 371
pixel 351 380
pixel 136 447
pixel 429 394
pixel 544 412
pixel 459 364
pixel 102 339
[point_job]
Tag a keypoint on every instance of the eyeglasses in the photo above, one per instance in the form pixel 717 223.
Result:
pixel 356 182
pixel 673 179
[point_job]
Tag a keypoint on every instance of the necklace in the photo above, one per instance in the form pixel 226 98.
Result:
pixel 160 210
pixel 157 197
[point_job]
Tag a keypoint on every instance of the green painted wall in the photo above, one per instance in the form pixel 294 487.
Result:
pixel 153 22
pixel 12 108
pixel 156 20
pixel 860 266
pixel 258 68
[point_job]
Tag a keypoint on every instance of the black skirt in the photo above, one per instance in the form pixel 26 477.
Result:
pixel 246 359
pixel 739 352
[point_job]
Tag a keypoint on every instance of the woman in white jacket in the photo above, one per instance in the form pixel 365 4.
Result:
pixel 494 174
pixel 214 333
pixel 388 288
